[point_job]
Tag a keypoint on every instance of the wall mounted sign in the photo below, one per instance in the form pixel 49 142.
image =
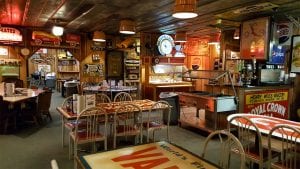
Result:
pixel 295 54
pixel 72 39
pixel 3 51
pixel 270 102
pixel 10 35
pixel 40 37
pixel 93 70
pixel 280 42
pixel 255 38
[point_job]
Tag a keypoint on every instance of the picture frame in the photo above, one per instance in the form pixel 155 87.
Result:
pixel 255 38
pixel 295 54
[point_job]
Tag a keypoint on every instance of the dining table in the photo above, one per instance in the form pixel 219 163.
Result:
pixel 147 156
pixel 68 115
pixel 21 94
pixel 264 123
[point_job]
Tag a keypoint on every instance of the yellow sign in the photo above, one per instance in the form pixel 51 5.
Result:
pixel 266 97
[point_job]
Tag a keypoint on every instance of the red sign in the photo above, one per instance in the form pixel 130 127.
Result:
pixel 10 35
pixel 269 102
pixel 73 39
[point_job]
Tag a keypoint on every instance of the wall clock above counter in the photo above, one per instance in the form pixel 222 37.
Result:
pixel 165 44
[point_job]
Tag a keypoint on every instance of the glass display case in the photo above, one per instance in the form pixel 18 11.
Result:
pixel 167 73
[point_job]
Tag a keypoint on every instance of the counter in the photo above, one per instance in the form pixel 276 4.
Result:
pixel 265 100
pixel 152 90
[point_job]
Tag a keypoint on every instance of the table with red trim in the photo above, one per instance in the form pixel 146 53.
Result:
pixel 264 123
pixel 66 115
pixel 147 156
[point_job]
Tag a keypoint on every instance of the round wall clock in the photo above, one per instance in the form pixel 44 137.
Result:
pixel 165 44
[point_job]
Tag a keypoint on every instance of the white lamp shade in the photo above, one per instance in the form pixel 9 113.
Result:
pixel 99 36
pixel 236 34
pixel 127 27
pixel 57 30
pixel 185 9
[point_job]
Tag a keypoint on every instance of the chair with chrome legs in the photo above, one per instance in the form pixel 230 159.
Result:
pixel 290 145
pixel 92 132
pixel 228 150
pixel 127 122
pixel 154 120
pixel 122 96
pixel 251 139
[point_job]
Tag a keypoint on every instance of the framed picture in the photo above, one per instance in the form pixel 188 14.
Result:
pixel 295 54
pixel 255 38
pixel 114 61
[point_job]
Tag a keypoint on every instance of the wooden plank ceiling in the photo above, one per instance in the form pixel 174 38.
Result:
pixel 149 15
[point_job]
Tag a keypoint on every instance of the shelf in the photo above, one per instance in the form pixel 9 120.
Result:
pixel 66 59
pixel 68 72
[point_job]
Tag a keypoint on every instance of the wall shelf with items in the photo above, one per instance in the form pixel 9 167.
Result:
pixel 132 71
pixel 68 68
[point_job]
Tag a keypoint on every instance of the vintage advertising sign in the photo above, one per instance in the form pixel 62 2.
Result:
pixel 159 155
pixel 10 35
pixel 269 102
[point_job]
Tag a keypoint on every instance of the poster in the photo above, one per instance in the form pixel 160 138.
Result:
pixel 255 38
pixel 93 70
pixel 269 102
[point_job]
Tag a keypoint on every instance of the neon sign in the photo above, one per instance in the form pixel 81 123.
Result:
pixel 10 35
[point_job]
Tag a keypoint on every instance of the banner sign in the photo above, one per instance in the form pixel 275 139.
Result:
pixel 269 102
pixel 148 156
pixel 10 35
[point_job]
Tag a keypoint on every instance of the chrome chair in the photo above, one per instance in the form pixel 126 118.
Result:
pixel 122 96
pixel 155 119
pixel 251 139
pixel 102 98
pixel 92 132
pixel 227 146
pixel 290 143
pixel 67 104
pixel 129 123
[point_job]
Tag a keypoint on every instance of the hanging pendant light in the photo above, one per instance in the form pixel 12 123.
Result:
pixel 57 30
pixel 127 26
pixel 185 9
pixel 180 37
pixel 236 34
pixel 99 36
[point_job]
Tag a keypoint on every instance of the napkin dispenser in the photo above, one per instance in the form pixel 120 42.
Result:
pixel 9 89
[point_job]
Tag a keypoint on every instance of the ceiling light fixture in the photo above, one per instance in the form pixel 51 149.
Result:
pixel 185 9
pixel 236 34
pixel 57 30
pixel 180 37
pixel 99 36
pixel 127 26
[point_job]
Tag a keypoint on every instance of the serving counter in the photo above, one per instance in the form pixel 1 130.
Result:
pixel 265 100
pixel 152 90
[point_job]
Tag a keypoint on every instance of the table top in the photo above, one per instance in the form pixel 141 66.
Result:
pixel 21 94
pixel 265 123
pixel 157 155
pixel 145 105
pixel 112 89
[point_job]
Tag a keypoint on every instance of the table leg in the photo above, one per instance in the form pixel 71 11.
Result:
pixel 63 130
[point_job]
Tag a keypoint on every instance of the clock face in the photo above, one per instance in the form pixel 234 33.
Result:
pixel 165 44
